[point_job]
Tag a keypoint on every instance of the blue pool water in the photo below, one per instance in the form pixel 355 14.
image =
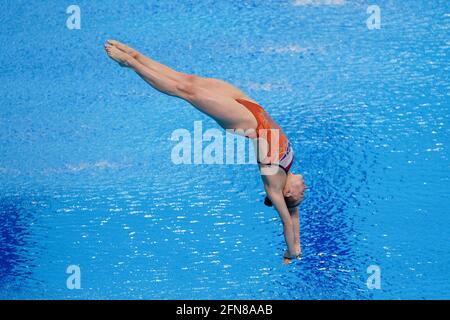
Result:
pixel 86 177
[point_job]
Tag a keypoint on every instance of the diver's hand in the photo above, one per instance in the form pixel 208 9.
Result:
pixel 287 257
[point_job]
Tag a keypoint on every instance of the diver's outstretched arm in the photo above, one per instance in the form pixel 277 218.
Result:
pixel 295 218
pixel 277 199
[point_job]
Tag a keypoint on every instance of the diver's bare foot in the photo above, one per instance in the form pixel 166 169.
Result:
pixel 117 55
pixel 130 51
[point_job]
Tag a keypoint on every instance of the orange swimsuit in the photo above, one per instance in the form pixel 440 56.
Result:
pixel 264 128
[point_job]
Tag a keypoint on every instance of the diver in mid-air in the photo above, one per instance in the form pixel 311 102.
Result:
pixel 233 110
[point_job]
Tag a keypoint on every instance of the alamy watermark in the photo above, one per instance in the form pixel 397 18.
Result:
pixel 73 22
pixel 374 20
pixel 374 279
pixel 74 279
pixel 215 147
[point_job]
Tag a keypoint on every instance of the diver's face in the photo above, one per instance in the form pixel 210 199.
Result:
pixel 294 189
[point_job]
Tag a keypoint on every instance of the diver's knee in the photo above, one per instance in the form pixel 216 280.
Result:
pixel 188 86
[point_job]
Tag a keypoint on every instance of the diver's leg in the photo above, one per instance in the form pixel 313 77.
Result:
pixel 224 88
pixel 157 80
pixel 224 109
pixel 211 84
pixel 149 63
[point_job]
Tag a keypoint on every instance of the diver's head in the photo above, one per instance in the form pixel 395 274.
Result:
pixel 294 190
